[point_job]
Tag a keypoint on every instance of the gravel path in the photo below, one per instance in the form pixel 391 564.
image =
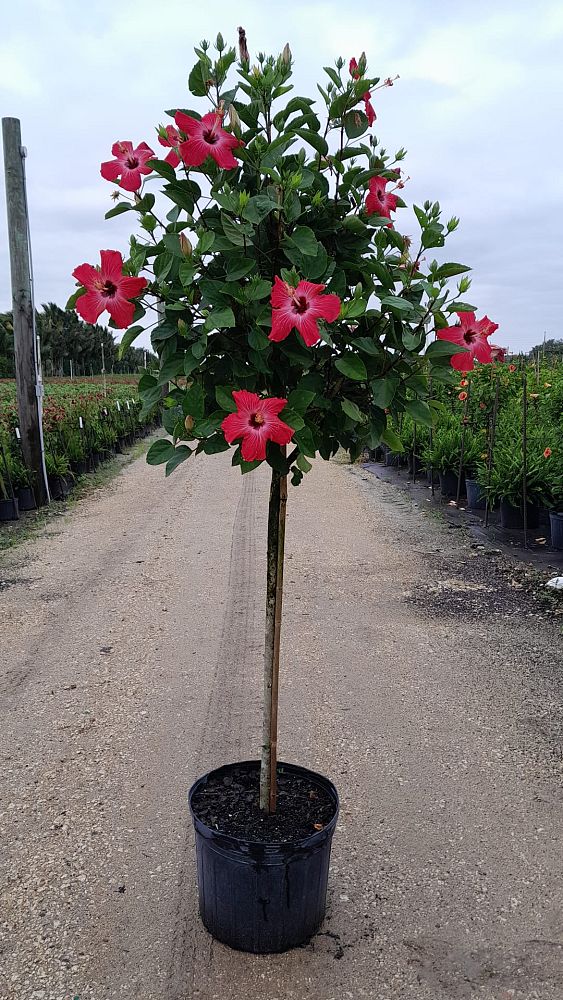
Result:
pixel 416 673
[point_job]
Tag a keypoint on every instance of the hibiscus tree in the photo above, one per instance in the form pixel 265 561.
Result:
pixel 292 316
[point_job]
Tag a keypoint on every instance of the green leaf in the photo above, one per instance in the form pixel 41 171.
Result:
pixel 383 391
pixel 160 451
pixel 353 309
pixel 396 304
pixel 74 297
pixel 449 270
pixel 214 444
pixel 119 209
pixel 193 403
pixel 352 411
pixel 186 273
pixel 461 307
pixel 305 241
pixel 236 233
pixel 303 464
pixel 220 319
pixel 443 349
pixel 355 123
pixel 275 151
pixel 333 76
pixel 190 363
pixel 392 439
pixel 258 207
pixel 258 340
pixel 304 440
pixel 352 367
pixel 419 411
pixel 314 139
pixel 181 453
pixel 198 79
pixel 205 242
pixel 300 399
pixel 224 397
pixel 292 418
pixel 239 267
pixel 368 345
pixel 163 169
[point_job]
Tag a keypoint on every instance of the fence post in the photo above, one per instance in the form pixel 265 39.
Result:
pixel 28 386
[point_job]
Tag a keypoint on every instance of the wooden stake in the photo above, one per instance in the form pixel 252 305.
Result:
pixel 492 433
pixel 525 456
pixel 462 451
pixel 27 385
pixel 274 597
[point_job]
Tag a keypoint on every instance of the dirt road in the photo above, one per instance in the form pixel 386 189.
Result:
pixel 415 673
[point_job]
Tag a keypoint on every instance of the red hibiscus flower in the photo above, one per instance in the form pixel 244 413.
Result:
pixel 301 308
pixel 207 138
pixel 547 453
pixel 370 110
pixel 129 164
pixel 512 368
pixel 172 139
pixel 498 353
pixel 256 421
pixel 107 288
pixel 353 69
pixel 379 201
pixel 462 396
pixel 472 334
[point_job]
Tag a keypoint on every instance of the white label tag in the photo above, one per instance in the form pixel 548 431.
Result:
pixel 105 411
pixel 127 403
pixel 81 423
pixel 118 405
pixel 18 435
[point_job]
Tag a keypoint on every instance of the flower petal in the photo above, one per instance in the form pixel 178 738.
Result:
pixel 110 170
pixel 308 328
pixel 247 402
pixel 86 274
pixel 253 447
pixel 462 362
pixel 194 152
pixel 131 287
pixel 120 310
pixel 283 322
pixel 112 265
pixel 90 306
pixel 234 426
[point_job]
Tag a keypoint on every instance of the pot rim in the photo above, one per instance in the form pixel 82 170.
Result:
pixel 234 841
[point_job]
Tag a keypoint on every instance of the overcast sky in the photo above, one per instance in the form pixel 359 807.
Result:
pixel 478 107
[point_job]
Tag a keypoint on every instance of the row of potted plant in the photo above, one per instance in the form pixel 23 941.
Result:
pixel 82 427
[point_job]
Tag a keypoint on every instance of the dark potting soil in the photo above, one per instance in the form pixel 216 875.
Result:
pixel 230 804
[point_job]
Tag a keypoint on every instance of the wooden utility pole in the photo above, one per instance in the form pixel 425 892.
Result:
pixel 22 305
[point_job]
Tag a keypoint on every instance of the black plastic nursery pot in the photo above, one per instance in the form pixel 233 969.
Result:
pixel 556 525
pixel 475 496
pixel 262 897
pixel 513 517
pixel 9 510
pixel 26 499
pixel 448 485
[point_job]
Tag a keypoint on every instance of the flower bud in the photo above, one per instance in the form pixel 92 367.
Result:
pixel 189 423
pixel 219 43
pixel 185 246
pixel 286 54
pixel 234 120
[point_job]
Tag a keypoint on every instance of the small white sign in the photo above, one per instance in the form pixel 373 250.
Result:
pixel 105 411
pixel 81 423
pixel 18 435
pixel 127 402
pixel 118 405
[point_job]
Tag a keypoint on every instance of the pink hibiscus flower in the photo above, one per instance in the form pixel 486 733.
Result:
pixel 129 164
pixel 107 288
pixel 353 69
pixel 256 421
pixel 379 201
pixel 173 140
pixel 370 110
pixel 207 138
pixel 498 353
pixel 300 309
pixel 472 334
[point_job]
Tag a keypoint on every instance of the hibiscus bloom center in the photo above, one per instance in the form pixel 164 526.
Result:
pixel 132 162
pixel 381 196
pixel 469 336
pixel 256 419
pixel 210 137
pixel 300 304
pixel 108 289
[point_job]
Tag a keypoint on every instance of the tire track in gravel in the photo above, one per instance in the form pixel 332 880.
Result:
pixel 228 718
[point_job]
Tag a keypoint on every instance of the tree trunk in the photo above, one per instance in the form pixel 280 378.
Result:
pixel 274 594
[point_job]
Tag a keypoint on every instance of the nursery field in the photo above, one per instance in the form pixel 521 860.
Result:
pixel 498 440
pixel 84 421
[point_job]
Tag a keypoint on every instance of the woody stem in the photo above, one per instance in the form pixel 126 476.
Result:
pixel 274 593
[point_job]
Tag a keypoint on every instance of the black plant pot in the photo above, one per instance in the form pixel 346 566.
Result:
pixel 556 524
pixel 419 467
pixel 475 496
pixel 432 477
pixel 392 459
pixel 448 485
pixel 55 486
pixel 26 499
pixel 9 510
pixel 263 897
pixel 513 517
